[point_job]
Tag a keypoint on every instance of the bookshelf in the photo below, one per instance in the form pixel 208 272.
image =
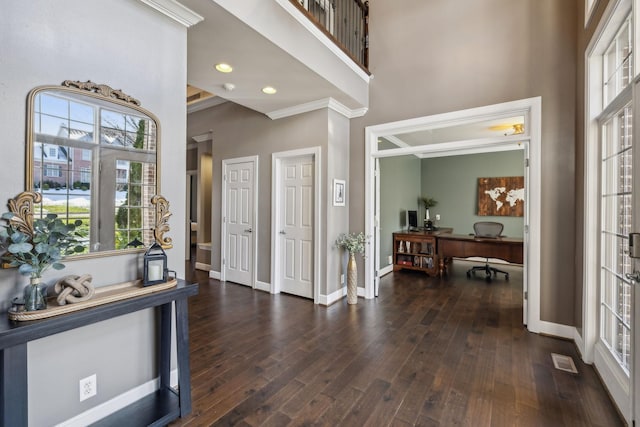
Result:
pixel 417 250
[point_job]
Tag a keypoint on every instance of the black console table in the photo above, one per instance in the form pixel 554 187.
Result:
pixel 157 409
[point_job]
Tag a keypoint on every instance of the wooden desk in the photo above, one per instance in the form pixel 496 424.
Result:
pixel 158 408
pixel 461 246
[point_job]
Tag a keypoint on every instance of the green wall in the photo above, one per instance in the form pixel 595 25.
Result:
pixel 400 179
pixel 453 182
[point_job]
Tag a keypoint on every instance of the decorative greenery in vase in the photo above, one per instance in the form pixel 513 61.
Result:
pixel 353 243
pixel 52 239
pixel 428 202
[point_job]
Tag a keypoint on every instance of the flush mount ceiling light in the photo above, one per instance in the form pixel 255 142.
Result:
pixel 224 68
pixel 509 129
pixel 269 90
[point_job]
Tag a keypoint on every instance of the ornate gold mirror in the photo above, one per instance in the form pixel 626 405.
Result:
pixel 92 154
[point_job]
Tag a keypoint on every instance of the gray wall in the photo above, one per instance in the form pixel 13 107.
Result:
pixel 448 55
pixel 240 132
pixel 116 43
pixel 400 186
pixel 453 182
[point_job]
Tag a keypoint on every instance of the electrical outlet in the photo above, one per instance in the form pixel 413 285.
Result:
pixel 88 387
pixel 390 259
pixel 342 278
pixel 437 217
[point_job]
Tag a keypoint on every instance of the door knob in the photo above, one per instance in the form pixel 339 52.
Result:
pixel 248 230
pixel 634 277
pixel 282 232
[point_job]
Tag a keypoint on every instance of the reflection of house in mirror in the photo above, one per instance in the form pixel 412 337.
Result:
pixel 59 166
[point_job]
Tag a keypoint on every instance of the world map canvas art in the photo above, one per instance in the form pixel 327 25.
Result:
pixel 503 196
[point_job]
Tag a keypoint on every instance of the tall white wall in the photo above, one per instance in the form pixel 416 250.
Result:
pixel 126 45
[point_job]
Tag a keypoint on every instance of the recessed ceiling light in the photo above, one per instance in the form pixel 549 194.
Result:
pixel 224 68
pixel 269 90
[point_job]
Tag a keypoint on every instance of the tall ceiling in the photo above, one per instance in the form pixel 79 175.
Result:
pixel 257 62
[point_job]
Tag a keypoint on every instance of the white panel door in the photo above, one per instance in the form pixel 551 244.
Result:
pixel 296 226
pixel 239 239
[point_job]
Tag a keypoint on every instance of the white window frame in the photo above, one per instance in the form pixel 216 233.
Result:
pixel 592 350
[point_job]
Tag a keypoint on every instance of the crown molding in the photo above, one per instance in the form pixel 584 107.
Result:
pixel 205 103
pixel 175 11
pixel 318 105
pixel 203 137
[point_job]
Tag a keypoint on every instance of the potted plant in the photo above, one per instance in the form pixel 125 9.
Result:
pixel 34 253
pixel 353 243
pixel 428 202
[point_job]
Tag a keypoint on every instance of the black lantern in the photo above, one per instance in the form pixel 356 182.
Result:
pixel 155 266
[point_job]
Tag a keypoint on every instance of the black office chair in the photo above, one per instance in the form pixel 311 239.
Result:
pixel 487 229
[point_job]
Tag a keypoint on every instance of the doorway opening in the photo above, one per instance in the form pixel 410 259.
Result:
pixel 457 133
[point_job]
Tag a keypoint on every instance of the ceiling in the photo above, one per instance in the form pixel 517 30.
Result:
pixel 256 62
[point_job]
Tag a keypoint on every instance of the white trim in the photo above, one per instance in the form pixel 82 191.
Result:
pixel 618 385
pixel 120 401
pixel 557 330
pixel 326 41
pixel 532 109
pixel 385 270
pixel 317 105
pixel 579 343
pixel 276 163
pixel 205 103
pixel 589 7
pixel 203 137
pixel 215 275
pixel 202 266
pixel 263 286
pixel 333 297
pixel 593 350
pixel 175 11
pixel 254 233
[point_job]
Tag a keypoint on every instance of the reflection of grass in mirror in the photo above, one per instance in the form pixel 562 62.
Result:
pixel 61 209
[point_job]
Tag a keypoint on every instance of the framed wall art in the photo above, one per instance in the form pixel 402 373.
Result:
pixel 339 192
pixel 503 196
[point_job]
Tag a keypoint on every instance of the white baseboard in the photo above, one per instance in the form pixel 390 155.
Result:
pixel 263 286
pixel 557 330
pixel 214 274
pixel 202 266
pixel 332 297
pixel 107 408
pixel 386 270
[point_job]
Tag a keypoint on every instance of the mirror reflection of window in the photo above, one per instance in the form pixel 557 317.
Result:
pixel 135 183
pixel 71 135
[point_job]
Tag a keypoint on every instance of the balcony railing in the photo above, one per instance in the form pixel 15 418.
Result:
pixel 345 22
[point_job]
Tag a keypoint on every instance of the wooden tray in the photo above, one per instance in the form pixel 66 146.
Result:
pixel 103 295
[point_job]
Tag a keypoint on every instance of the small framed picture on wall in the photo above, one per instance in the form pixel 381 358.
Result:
pixel 339 192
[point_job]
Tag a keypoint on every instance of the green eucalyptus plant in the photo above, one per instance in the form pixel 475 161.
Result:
pixel 52 240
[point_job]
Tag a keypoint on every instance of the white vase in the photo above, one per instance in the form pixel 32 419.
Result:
pixel 352 280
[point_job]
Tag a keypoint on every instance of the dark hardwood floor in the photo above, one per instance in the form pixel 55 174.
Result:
pixel 427 351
